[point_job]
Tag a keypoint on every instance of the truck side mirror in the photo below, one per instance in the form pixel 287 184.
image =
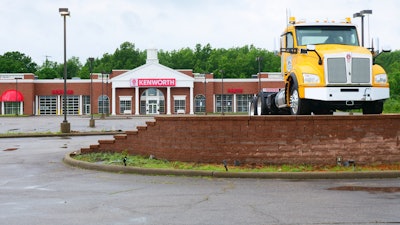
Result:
pixel 311 47
pixel 386 49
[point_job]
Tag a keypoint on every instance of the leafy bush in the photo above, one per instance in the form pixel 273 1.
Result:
pixel 392 105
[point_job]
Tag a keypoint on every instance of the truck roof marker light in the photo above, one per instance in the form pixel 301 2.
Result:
pixel 292 20
pixel 348 20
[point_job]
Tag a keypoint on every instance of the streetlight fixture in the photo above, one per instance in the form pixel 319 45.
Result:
pixel 361 14
pixel 65 126
pixel 91 122
pixel 16 95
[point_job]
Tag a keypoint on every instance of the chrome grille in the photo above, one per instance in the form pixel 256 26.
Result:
pixel 360 70
pixel 357 70
pixel 337 70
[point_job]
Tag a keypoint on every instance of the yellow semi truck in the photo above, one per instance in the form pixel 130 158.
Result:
pixel 324 69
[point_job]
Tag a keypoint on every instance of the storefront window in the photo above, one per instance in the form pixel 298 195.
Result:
pixel 243 102
pixel 86 104
pixel 161 106
pixel 224 101
pixel 143 107
pixel 103 104
pixel 125 106
pixel 12 108
pixel 180 105
pixel 151 92
pixel 200 103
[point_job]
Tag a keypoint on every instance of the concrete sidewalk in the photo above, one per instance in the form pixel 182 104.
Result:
pixel 46 124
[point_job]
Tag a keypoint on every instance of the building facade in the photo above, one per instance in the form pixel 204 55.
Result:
pixel 146 90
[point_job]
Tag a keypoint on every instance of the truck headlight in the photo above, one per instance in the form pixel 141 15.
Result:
pixel 381 78
pixel 310 78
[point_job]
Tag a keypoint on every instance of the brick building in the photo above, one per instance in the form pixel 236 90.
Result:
pixel 148 89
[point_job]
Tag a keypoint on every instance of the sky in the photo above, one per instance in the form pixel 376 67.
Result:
pixel 96 27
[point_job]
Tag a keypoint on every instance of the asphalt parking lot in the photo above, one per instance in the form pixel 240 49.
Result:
pixel 43 124
pixel 36 187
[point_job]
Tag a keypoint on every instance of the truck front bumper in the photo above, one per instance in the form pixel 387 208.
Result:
pixel 346 93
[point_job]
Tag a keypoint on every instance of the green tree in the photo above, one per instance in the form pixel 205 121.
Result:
pixel 127 57
pixel 73 68
pixel 47 73
pixel 182 59
pixel 16 62
pixel 49 70
pixel 201 58
pixel 389 61
pixel 394 82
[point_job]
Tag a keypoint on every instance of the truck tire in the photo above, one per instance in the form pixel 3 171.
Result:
pixel 270 101
pixel 261 104
pixel 375 107
pixel 298 106
pixel 253 107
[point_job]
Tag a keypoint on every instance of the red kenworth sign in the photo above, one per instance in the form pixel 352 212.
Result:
pixel 153 82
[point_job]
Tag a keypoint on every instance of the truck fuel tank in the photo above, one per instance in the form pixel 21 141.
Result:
pixel 280 99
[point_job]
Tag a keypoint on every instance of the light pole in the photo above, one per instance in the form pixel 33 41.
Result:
pixel 108 105
pixel 259 59
pixel 102 95
pixel 16 95
pixel 205 93
pixel 91 122
pixel 361 14
pixel 65 126
pixel 222 95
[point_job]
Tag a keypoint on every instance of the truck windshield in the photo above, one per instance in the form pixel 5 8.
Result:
pixel 345 35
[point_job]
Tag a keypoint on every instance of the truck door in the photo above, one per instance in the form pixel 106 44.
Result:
pixel 287 49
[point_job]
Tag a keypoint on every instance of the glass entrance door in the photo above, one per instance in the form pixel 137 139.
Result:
pixel 87 109
pixel 152 102
pixel 152 107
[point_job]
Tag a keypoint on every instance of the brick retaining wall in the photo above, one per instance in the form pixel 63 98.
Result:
pixel 317 140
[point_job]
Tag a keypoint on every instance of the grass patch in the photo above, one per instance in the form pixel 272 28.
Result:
pixel 149 162
pixel 17 133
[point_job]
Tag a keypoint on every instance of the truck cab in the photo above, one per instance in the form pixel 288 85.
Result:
pixel 325 69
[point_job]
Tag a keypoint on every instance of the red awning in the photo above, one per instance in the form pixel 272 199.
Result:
pixel 12 96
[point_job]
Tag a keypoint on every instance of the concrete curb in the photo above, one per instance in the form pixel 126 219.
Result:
pixel 217 174
pixel 129 169
pixel 28 135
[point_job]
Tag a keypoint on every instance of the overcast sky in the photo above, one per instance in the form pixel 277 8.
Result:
pixel 35 27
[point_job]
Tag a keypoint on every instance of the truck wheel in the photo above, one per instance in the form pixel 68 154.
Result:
pixel 253 107
pixel 261 104
pixel 271 104
pixel 373 107
pixel 298 106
